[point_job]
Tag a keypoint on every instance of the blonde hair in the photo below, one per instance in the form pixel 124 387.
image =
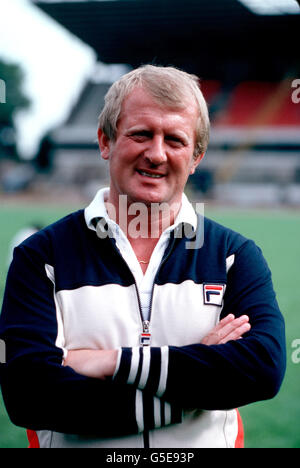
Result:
pixel 168 86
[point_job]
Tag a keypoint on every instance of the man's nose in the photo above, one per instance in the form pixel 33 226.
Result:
pixel 155 152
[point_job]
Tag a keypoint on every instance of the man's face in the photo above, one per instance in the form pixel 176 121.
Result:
pixel 152 155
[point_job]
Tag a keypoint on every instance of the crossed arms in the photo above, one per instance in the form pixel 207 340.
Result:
pixel 101 364
pixel 86 393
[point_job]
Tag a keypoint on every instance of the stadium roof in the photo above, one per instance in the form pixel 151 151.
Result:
pixel 273 7
pixel 212 38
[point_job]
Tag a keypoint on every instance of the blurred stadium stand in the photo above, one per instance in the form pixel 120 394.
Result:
pixel 70 153
pixel 246 64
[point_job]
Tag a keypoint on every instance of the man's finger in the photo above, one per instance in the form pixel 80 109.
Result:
pixel 224 328
pixel 227 329
pixel 237 333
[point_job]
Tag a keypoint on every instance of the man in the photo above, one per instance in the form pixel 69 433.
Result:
pixel 117 333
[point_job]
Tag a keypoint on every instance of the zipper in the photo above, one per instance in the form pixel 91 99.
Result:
pixel 145 323
pixel 165 258
pixel 145 336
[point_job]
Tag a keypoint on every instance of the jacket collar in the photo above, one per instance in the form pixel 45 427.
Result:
pixel 96 210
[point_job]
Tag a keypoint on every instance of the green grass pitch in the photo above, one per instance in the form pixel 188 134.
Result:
pixel 269 424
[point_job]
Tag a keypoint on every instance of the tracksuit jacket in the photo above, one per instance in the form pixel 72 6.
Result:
pixel 69 289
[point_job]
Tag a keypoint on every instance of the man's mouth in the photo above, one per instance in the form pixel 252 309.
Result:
pixel 153 175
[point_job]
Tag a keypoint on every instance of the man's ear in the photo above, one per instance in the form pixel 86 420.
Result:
pixel 104 144
pixel 196 161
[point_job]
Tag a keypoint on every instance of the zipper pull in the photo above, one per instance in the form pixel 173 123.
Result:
pixel 145 338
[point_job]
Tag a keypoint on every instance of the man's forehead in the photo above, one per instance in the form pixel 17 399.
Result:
pixel 140 95
pixel 139 101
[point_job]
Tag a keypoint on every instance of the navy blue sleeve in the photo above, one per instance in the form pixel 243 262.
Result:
pixel 39 393
pixel 234 374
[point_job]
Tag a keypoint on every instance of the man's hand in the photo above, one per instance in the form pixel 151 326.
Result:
pixel 229 328
pixel 95 363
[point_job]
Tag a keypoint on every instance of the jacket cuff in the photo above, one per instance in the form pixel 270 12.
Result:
pixel 152 412
pixel 144 367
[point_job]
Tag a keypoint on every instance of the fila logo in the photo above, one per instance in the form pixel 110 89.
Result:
pixel 145 339
pixel 213 294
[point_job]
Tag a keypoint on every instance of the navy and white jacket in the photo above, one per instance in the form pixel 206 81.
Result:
pixel 68 289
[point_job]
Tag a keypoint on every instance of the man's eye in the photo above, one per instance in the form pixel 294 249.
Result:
pixel 141 135
pixel 174 140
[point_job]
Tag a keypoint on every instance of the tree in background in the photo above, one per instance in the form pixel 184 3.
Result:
pixel 15 100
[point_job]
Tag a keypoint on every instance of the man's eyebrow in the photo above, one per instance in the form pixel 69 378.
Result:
pixel 138 128
pixel 174 133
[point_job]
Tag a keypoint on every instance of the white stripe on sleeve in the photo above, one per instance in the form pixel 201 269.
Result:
pixel 163 372
pixel 145 368
pixel 134 365
pixel 139 410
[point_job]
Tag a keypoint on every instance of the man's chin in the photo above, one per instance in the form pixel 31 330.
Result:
pixel 146 197
pixel 148 200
